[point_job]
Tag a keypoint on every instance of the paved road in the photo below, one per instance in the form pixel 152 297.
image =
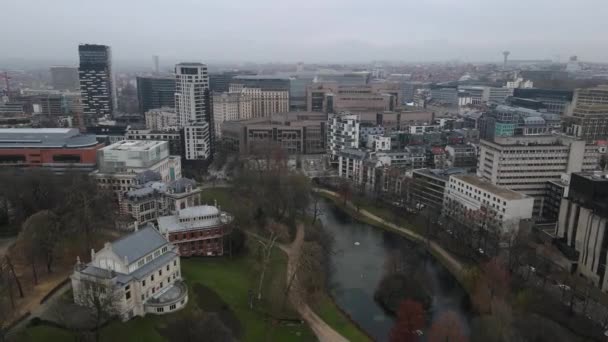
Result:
pixel 42 308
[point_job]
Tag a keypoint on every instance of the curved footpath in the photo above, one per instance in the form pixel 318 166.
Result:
pixel 442 255
pixel 323 331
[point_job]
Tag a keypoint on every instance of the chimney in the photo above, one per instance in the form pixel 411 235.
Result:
pixel 92 254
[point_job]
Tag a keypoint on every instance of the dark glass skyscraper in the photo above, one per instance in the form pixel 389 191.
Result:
pixel 96 82
pixel 155 92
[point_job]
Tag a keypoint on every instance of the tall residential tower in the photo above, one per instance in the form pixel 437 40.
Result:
pixel 96 82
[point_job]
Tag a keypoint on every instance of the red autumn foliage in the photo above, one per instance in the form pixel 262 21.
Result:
pixel 410 318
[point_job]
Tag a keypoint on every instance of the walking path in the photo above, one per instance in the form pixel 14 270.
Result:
pixel 323 331
pixel 451 263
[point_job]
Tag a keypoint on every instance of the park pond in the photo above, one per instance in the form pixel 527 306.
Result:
pixel 358 264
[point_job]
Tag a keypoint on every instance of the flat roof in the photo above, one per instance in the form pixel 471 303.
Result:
pixel 171 223
pixel 45 138
pixel 491 188
pixel 134 145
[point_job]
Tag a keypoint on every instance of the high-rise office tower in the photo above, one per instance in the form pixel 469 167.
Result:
pixel 156 64
pixel 193 106
pixel 155 92
pixel 96 82
pixel 588 119
pixel 65 78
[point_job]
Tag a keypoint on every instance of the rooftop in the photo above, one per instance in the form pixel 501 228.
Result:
pixel 138 244
pixel 491 188
pixel 134 145
pixel 201 217
pixel 45 138
pixel 197 211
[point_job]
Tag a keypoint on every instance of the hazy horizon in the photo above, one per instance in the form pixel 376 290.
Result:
pixel 338 31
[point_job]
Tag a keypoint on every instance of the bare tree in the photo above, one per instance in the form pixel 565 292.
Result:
pixel 101 300
pixel 40 236
pixel 277 232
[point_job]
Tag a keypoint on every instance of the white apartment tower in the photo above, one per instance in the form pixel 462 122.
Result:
pixel 342 132
pixel 193 105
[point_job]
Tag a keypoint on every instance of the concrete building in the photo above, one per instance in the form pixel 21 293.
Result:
pixel 367 130
pixel 298 86
pixel 581 227
pixel 351 165
pixel 295 132
pixel 262 82
pixel 65 78
pixel 263 103
pixel 96 82
pixel 428 187
pixel 555 101
pixel 379 143
pixel 486 95
pixel 173 137
pixel 526 164
pixel 161 119
pixel 55 149
pixel 445 94
pixel 120 164
pixel 353 78
pixel 342 132
pixel 588 119
pixel 400 120
pixel 225 108
pixel 462 155
pixel 468 196
pixel 141 272
pixel 193 108
pixel 362 99
pixel 197 230
pixel 155 92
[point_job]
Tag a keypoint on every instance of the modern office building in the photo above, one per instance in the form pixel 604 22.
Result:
pixel 295 132
pixel 445 94
pixel 141 271
pixel 197 230
pixel 260 103
pixel 56 149
pixel 220 82
pixel 461 155
pixel 65 78
pixel 428 187
pixel 173 137
pixel 298 86
pixel 583 218
pixel 193 108
pixel 230 106
pixel 155 92
pixel 508 121
pixel 470 197
pixel 262 82
pixel 527 164
pixel 96 82
pixel 353 78
pixel 342 132
pixel 362 99
pixel 351 164
pixel 555 101
pixel 588 119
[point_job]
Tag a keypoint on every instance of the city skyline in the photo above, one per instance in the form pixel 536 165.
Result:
pixel 315 32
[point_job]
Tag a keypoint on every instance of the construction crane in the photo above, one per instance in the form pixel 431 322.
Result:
pixel 7 81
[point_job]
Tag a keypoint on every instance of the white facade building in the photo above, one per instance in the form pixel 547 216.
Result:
pixel 191 93
pixel 350 164
pixel 161 119
pixel 141 271
pixel 260 103
pixel 379 143
pixel 467 194
pixel 197 141
pixel 526 164
pixel 342 132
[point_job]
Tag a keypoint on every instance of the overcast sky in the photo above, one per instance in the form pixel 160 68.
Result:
pixel 307 30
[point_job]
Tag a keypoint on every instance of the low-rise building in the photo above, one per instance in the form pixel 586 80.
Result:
pixel 141 272
pixel 428 187
pixel 55 149
pixel 161 119
pixel 174 137
pixel 197 230
pixel 462 155
pixel 470 197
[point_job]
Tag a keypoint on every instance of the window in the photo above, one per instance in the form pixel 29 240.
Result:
pixel 149 258
pixel 152 277
pixel 128 295
pixel 172 307
pixel 160 273
pixel 168 267
pixel 142 297
pixel 160 309
pixel 141 262
pixel 143 283
pixel 164 249
pixel 156 254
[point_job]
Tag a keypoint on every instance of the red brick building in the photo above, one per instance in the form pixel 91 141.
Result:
pixel 198 230
pixel 58 149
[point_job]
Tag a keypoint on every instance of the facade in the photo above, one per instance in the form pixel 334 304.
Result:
pixel 555 101
pixel 174 138
pixel 193 108
pixel 342 132
pixel 122 165
pixel 155 92
pixel 428 187
pixel 351 164
pixel 225 108
pixel 508 121
pixel 65 78
pixel 362 99
pixel 471 196
pixel 556 191
pixel 295 132
pixel 581 227
pixel 161 119
pixel 379 143
pixel 447 95
pixel 56 149
pixel 464 156
pixel 588 119
pixel 141 271
pixel 197 230
pixel 96 82
pixel 401 120
pixel 526 164
pixel 298 85
pixel 262 82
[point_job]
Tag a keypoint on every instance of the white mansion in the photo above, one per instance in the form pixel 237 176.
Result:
pixel 141 269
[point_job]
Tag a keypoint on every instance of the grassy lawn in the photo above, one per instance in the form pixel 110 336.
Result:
pixel 331 314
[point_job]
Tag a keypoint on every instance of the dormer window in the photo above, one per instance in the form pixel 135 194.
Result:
pixel 165 249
